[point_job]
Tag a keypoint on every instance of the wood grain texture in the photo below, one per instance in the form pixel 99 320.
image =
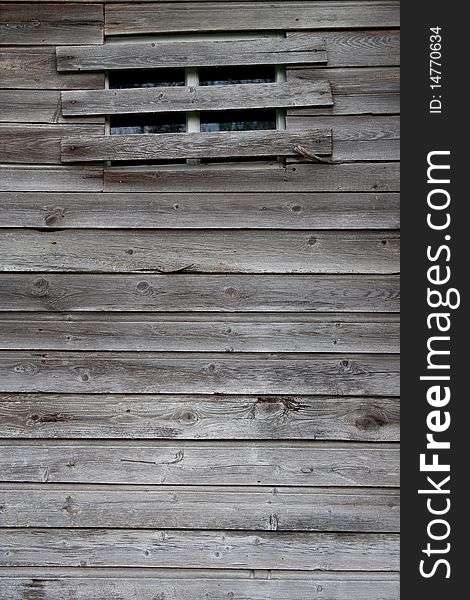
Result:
pixel 360 103
pixel 229 508
pixel 157 293
pixel 183 54
pixel 370 80
pixel 200 211
pixel 356 48
pixel 38 144
pixel 355 91
pixel 201 463
pixel 36 106
pixel 32 24
pixel 250 333
pixel 201 549
pixel 359 138
pixel 19 178
pixel 199 417
pixel 35 68
pixel 168 251
pixel 383 177
pixel 240 16
pixel 348 374
pixel 351 128
pixel 144 584
pixel 182 99
pixel 217 144
pixel 367 150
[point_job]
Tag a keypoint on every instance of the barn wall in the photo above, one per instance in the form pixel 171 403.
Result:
pixel 199 367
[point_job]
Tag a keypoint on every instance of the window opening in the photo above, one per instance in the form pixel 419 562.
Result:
pixel 195 122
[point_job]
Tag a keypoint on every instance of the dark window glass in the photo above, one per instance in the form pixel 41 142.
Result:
pixel 146 78
pixel 238 120
pixel 229 75
pixel 148 123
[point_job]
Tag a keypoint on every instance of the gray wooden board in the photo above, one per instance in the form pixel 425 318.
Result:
pixel 249 333
pixel 201 463
pixel 355 137
pixel 173 507
pixel 34 24
pixel 350 128
pixel 381 103
pixel 200 211
pixel 379 177
pixel 356 48
pixel 199 417
pixel 167 251
pixel 20 178
pixel 238 16
pixel 148 584
pixel 203 549
pixel 354 375
pixel 216 144
pixel 190 98
pixel 367 150
pixel 36 106
pixel 370 80
pixel 183 54
pixel 348 151
pixel 35 68
pixel 240 293
pixel 39 144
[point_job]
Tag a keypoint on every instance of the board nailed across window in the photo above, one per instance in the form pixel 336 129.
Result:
pixel 205 100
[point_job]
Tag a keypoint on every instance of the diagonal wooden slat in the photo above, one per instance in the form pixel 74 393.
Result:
pixel 181 54
pixel 182 99
pixel 164 146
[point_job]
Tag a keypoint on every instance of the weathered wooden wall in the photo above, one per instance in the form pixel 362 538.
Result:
pixel 199 368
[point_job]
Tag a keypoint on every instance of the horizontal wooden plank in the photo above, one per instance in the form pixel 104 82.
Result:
pixel 339 374
pixel 202 463
pixel 207 211
pixel 366 150
pixel 170 251
pixel 356 48
pixel 44 178
pixel 183 54
pixel 356 104
pixel 38 144
pixel 182 99
pixel 247 334
pixel 348 151
pixel 356 137
pixel 36 106
pixel 240 16
pixel 370 80
pixel 355 91
pixel 147 584
pixel 30 24
pixel 199 417
pixel 229 508
pixel 380 177
pixel 217 144
pixel 241 293
pixel 201 549
pixel 351 128
pixel 35 68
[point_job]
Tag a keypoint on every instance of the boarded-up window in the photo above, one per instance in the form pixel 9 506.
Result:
pixel 184 100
